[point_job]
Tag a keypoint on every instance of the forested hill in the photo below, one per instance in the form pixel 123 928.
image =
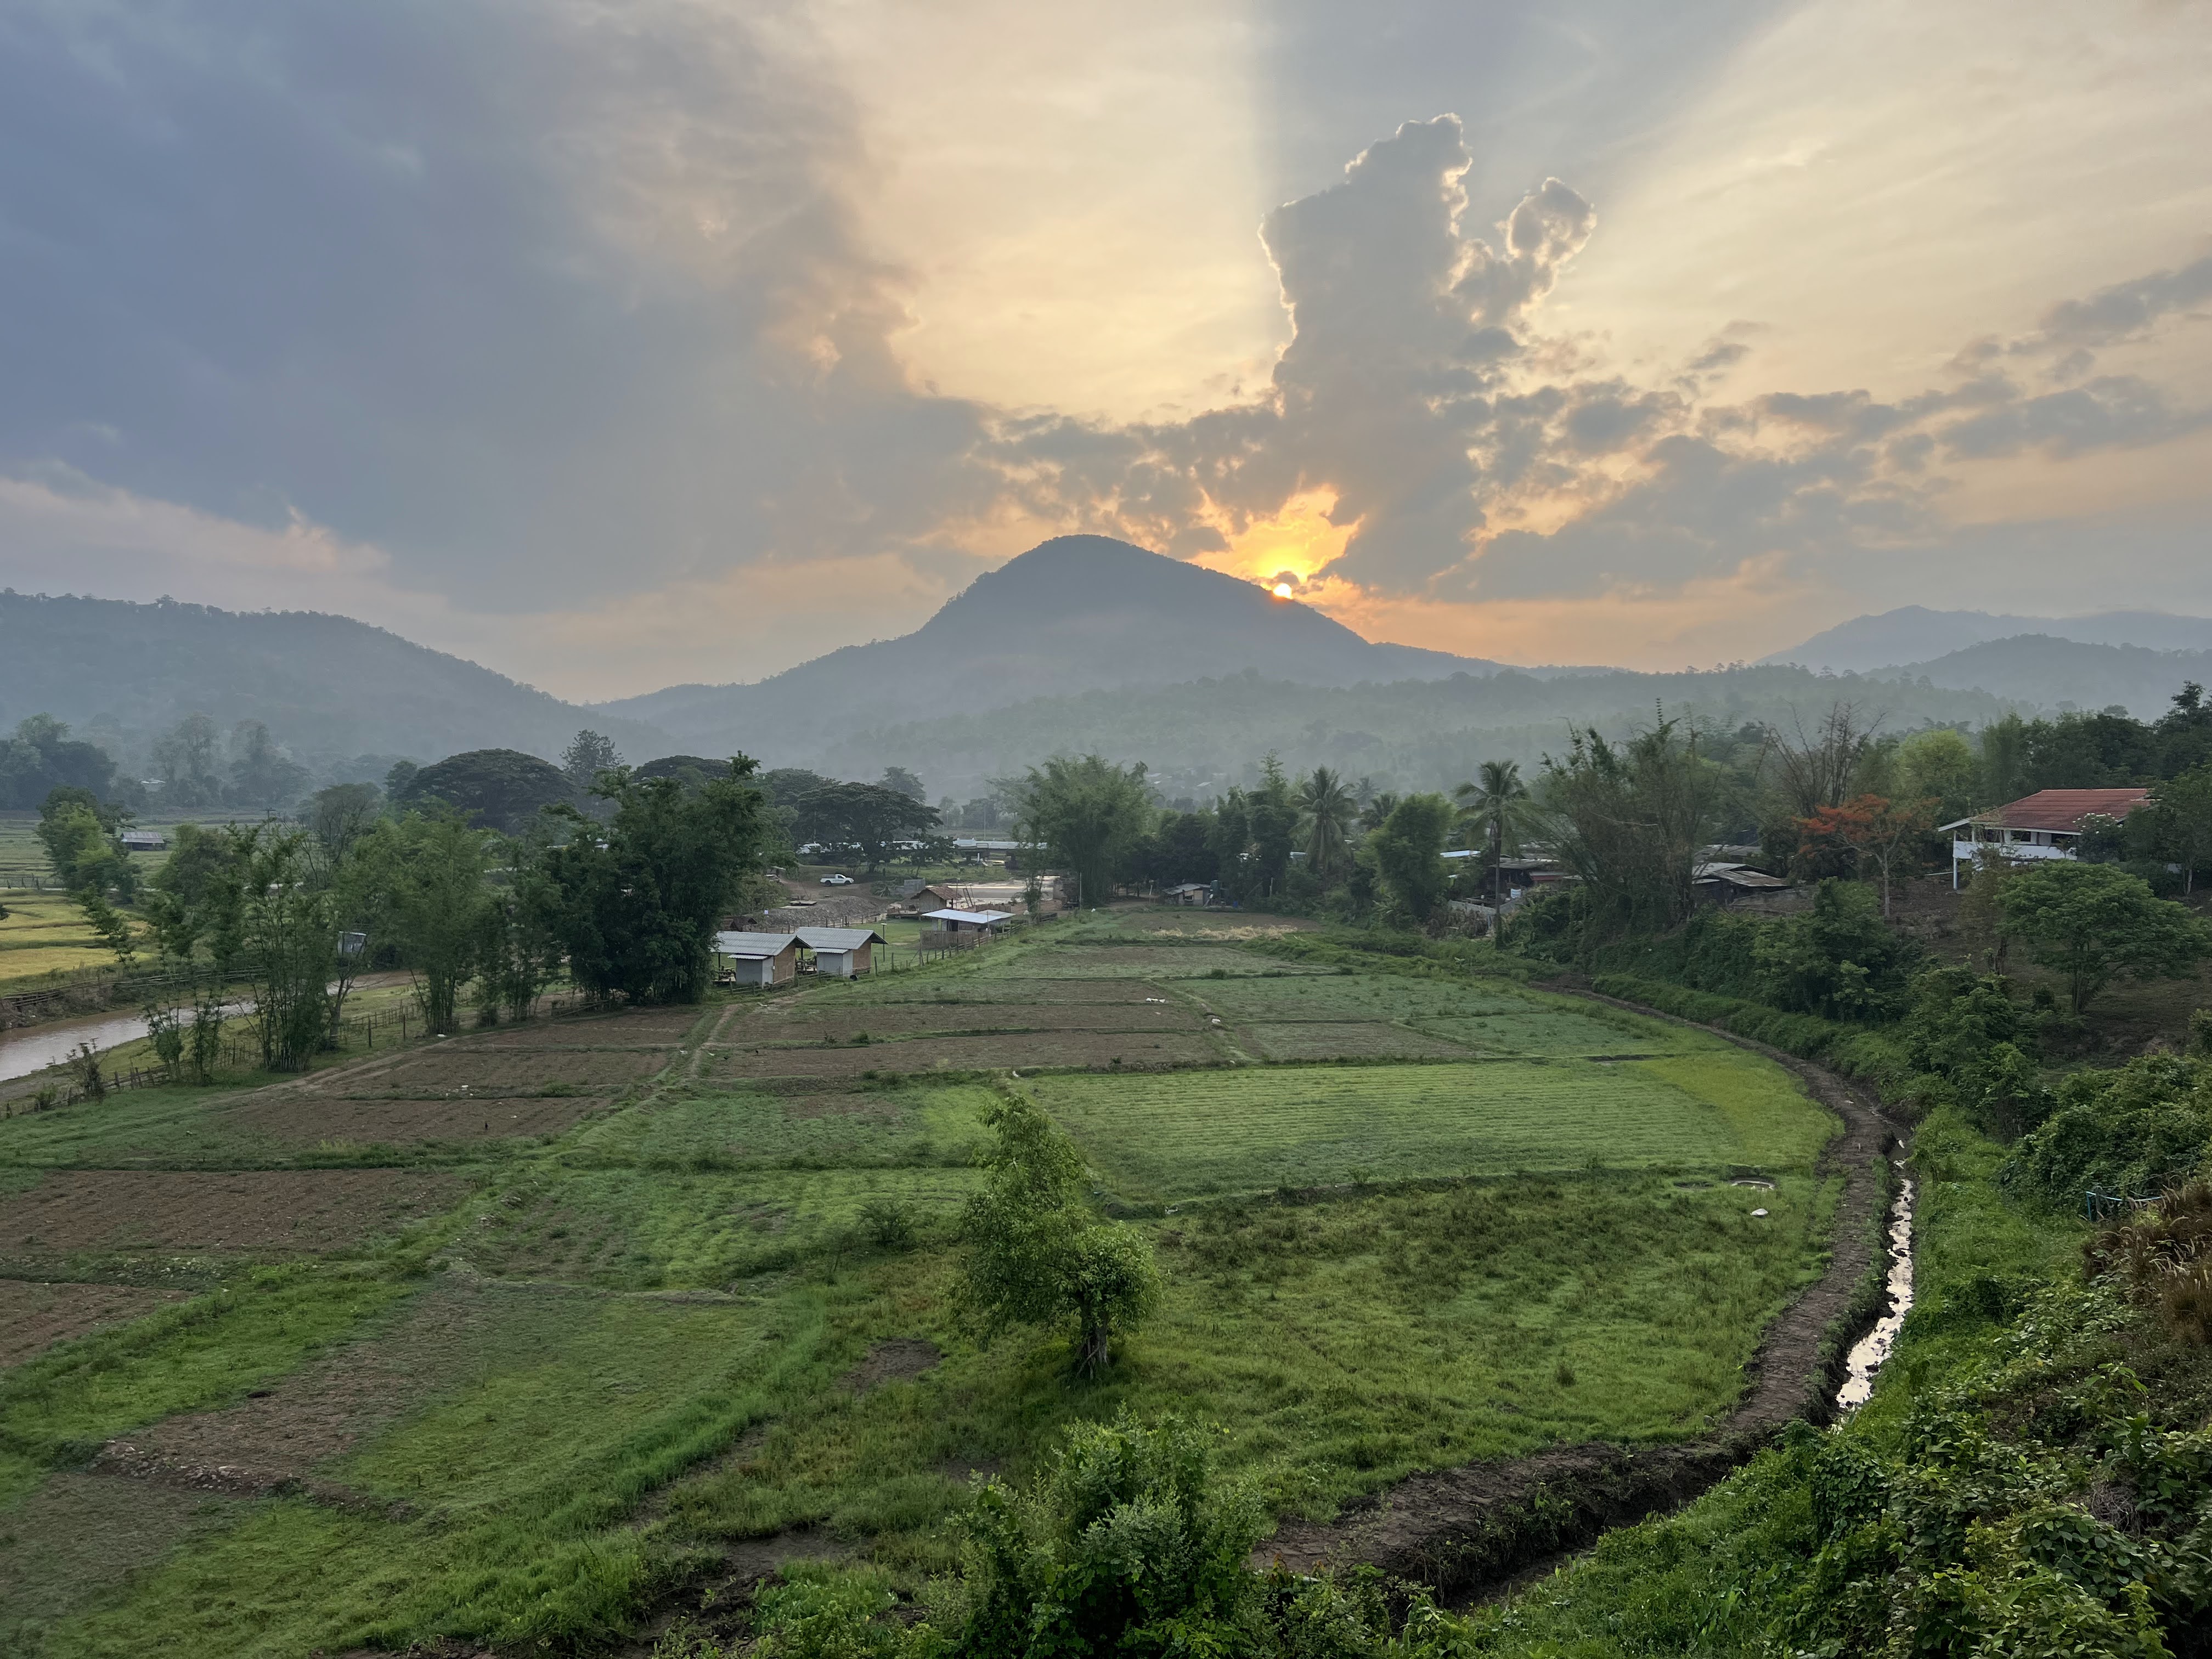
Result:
pixel 2050 674
pixel 322 684
pixel 1408 735
pixel 1076 613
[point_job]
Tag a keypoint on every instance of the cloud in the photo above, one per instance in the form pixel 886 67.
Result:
pixel 2122 311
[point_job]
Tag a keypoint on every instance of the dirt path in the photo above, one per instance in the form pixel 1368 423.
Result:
pixel 1467 1531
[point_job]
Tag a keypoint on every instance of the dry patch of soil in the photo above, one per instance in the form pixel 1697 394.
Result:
pixel 1134 1051
pixel 35 1316
pixel 365 1121
pixel 277 1437
pixel 976 991
pixel 910 1020
pixel 448 1071
pixel 645 1027
pixel 896 1360
pixel 239 1210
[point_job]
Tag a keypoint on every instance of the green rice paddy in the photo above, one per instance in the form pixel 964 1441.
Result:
pixel 1403 1220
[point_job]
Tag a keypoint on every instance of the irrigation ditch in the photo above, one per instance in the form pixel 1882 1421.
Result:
pixel 1471 1533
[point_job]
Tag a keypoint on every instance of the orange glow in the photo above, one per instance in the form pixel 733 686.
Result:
pixel 1281 552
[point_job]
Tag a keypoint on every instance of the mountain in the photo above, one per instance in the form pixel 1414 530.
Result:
pixel 326 687
pixel 1076 613
pixel 2052 674
pixel 1914 634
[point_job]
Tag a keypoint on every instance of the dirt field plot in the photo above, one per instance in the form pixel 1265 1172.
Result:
pixel 973 989
pixel 1245 1130
pixel 913 1019
pixel 1133 962
pixel 35 1316
pixel 191 1210
pixel 81 1536
pixel 447 1069
pixel 1318 1039
pixel 1135 1051
pixel 300 1121
pixel 647 1027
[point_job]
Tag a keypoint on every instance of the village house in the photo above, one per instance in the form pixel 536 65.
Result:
pixel 763 959
pixel 968 922
pixel 840 952
pixel 2047 824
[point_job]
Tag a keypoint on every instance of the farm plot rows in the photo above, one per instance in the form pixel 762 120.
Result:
pixel 655 1319
pixel 285 1210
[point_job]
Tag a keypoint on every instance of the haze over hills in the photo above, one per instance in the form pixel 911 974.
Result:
pixel 1914 634
pixel 1074 614
pixel 2057 674
pixel 325 686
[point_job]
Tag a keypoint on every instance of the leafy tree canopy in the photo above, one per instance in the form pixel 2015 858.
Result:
pixel 502 789
pixel 2093 923
pixel 41 757
pixel 1089 816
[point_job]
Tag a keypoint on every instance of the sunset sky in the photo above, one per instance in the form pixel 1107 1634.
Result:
pixel 619 345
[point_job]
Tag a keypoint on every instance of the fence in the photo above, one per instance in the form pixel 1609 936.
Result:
pixel 2104 1206
pixel 29 879
pixel 89 991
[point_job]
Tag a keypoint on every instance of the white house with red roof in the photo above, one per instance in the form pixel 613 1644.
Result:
pixel 2047 824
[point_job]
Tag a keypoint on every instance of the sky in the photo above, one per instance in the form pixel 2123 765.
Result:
pixel 622 346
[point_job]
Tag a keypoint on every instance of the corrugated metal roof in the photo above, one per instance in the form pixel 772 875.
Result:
pixel 837 939
pixel 1736 875
pixel 974 918
pixel 751 944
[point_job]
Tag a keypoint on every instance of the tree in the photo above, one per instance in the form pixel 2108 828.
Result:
pixel 1631 821
pixel 2004 761
pixel 588 754
pixel 1939 765
pixel 901 781
pixel 1273 817
pixel 861 822
pixel 502 789
pixel 1034 1252
pixel 635 902
pixel 1839 960
pixel 1820 769
pixel 80 836
pixel 1327 812
pixel 261 774
pixel 1408 854
pixel 42 757
pixel 419 883
pixel 2093 923
pixel 1495 809
pixel 1866 827
pixel 1087 815
pixel 341 815
pixel 2179 826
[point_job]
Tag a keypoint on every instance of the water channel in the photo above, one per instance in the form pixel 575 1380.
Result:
pixel 1868 1353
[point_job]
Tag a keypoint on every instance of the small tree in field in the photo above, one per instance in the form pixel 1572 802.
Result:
pixel 2093 923
pixel 1866 827
pixel 1037 1254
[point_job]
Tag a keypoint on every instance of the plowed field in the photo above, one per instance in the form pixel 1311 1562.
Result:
pixel 244 1210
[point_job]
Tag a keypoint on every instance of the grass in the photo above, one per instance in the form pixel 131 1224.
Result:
pixel 1191 1133
pixel 655 1308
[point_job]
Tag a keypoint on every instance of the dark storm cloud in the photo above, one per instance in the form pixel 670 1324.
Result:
pixel 562 294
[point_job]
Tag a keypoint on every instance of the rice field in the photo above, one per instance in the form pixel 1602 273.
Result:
pixel 1191 1134
pixel 489 1338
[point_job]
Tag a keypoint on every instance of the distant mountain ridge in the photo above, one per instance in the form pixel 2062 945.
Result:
pixel 324 685
pixel 1074 614
pixel 2055 674
pixel 1914 634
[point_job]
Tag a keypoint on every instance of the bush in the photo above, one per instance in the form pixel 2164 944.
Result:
pixel 2135 1132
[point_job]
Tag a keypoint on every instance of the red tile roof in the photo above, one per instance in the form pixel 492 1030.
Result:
pixel 2064 809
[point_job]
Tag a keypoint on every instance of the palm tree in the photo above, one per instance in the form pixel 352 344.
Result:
pixel 1327 810
pixel 1495 809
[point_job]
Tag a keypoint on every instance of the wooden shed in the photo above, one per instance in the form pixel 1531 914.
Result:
pixel 840 952
pixel 756 958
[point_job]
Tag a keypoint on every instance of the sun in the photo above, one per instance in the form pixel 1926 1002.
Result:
pixel 1284 590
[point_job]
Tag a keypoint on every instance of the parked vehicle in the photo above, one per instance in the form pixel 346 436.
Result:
pixel 837 881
